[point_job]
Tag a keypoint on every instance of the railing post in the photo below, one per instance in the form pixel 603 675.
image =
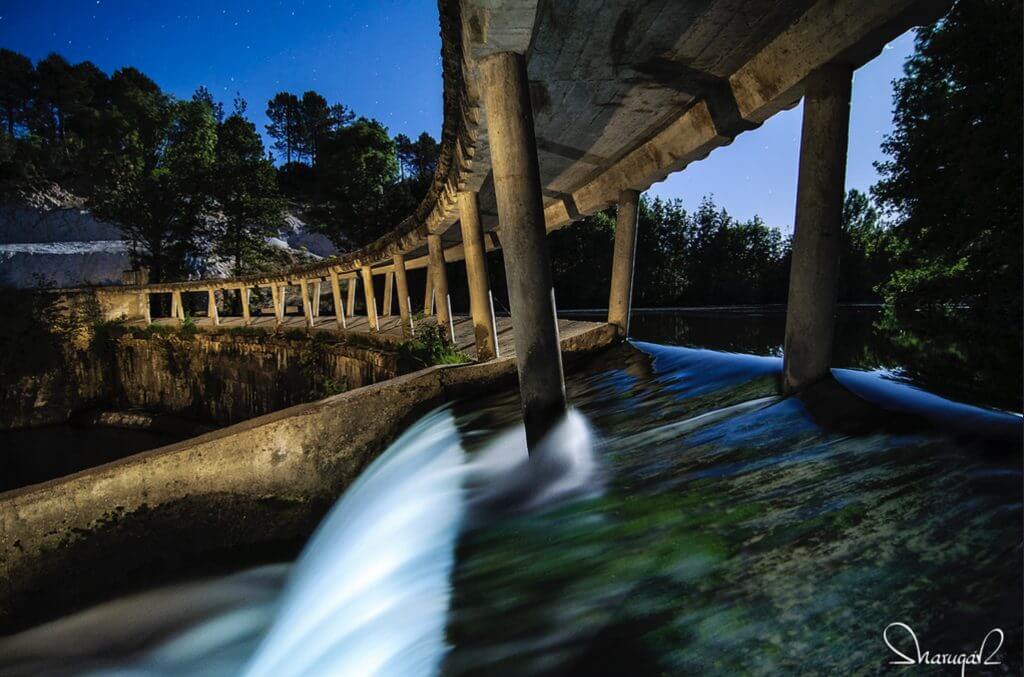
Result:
pixel 480 304
pixel 177 309
pixel 352 281
pixel 307 306
pixel 316 298
pixel 277 298
pixel 371 300
pixel 404 302
pixel 620 295
pixel 814 272
pixel 339 307
pixel 211 307
pixel 428 299
pixel 439 276
pixel 243 297
pixel 517 189
pixel 389 281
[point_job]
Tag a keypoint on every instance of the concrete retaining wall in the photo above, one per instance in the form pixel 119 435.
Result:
pixel 71 541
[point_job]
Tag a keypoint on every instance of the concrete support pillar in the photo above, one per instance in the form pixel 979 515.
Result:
pixel 144 302
pixel 428 298
pixel 439 278
pixel 307 303
pixel 480 305
pixel 277 297
pixel 371 300
pixel 339 307
pixel 243 295
pixel 404 302
pixel 517 189
pixel 814 274
pixel 352 296
pixel 177 309
pixel 211 307
pixel 620 296
pixel 389 282
pixel 316 297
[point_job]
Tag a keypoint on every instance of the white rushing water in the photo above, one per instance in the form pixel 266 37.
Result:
pixel 370 593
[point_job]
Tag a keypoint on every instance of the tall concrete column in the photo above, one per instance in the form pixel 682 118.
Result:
pixel 814 274
pixel 371 300
pixel 277 297
pixel 144 302
pixel 476 275
pixel 211 307
pixel 404 302
pixel 339 307
pixel 428 298
pixel 620 297
pixel 517 188
pixel 389 283
pixel 243 295
pixel 307 306
pixel 352 281
pixel 439 277
pixel 177 310
pixel 316 298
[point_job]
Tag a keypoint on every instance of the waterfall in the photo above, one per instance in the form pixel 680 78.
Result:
pixel 368 595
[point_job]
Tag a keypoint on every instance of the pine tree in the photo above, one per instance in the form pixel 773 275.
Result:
pixel 286 126
pixel 16 80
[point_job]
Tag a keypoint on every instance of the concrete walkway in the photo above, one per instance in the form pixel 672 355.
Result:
pixel 391 327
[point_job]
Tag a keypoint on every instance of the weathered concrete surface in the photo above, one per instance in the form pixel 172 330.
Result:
pixel 268 480
pixel 215 378
pixel 814 275
pixel 520 203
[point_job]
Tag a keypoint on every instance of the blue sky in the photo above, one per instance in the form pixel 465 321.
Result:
pixel 381 58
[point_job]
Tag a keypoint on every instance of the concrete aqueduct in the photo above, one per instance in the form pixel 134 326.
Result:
pixel 553 110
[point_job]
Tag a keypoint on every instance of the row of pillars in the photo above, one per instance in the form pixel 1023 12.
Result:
pixel 437 298
pixel 517 187
pixel 814 272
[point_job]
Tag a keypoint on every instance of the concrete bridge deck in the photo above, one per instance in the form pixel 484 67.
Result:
pixel 390 328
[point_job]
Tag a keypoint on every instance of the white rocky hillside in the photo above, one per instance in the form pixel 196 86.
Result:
pixel 48 238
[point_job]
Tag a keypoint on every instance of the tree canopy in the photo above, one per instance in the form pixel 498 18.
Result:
pixel 952 183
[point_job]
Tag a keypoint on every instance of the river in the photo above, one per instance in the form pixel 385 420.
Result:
pixel 684 520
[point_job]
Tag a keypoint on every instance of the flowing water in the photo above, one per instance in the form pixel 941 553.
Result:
pixel 684 519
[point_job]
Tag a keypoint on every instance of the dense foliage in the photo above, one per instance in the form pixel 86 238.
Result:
pixel 707 257
pixel 952 185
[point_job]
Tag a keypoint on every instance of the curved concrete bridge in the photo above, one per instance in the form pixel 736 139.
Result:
pixel 553 110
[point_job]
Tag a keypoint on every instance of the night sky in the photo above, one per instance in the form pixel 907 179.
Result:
pixel 381 58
